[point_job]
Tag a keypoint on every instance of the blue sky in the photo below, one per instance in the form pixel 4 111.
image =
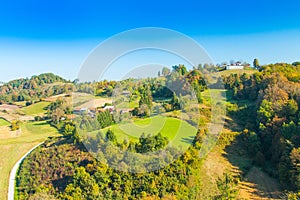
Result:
pixel 51 35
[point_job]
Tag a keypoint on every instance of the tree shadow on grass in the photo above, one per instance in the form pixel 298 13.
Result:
pixel 42 123
pixel 254 180
pixel 188 140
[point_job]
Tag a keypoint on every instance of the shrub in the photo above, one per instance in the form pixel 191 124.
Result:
pixel 15 125
pixel 38 118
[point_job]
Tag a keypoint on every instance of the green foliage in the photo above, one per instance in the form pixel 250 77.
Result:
pixel 105 119
pixel 41 196
pixel 265 113
pixel 295 168
pixel 83 187
pixel 256 63
pixel 102 88
pixel 15 125
pixel 3 122
pixel 36 87
pixel 110 136
pixel 253 144
pixel 227 187
pixel 181 69
pixel 293 195
pixel 150 144
pixel 66 176
pixel 58 110
pixel 275 95
pixel 291 108
pixel 175 102
pixel 69 130
pixel 165 71
pixel 288 130
pixel 145 102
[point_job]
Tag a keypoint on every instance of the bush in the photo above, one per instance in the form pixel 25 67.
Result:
pixel 15 125
pixel 28 103
pixel 38 118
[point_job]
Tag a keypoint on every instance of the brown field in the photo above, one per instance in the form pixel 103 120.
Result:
pixel 94 103
pixel 54 98
pixel 8 107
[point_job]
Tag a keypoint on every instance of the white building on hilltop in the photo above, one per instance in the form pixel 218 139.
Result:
pixel 237 65
pixel 228 67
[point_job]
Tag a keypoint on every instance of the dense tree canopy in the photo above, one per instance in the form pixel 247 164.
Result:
pixel 275 94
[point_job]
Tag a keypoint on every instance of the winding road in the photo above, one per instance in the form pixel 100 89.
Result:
pixel 13 174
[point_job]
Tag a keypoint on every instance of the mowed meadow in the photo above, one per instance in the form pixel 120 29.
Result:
pixel 178 131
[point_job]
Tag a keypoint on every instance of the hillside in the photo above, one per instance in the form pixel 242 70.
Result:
pixel 14 144
pixel 34 88
pixel 256 155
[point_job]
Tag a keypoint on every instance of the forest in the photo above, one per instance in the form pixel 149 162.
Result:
pixel 268 106
pixel 34 88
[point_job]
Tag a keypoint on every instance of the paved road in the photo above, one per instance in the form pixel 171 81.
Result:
pixel 13 174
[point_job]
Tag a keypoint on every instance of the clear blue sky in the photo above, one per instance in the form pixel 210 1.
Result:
pixel 49 35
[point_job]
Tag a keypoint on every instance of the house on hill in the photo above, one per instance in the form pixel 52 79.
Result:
pixel 81 111
pixel 237 65
pixel 125 93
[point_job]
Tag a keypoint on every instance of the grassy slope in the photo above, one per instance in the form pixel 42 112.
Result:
pixel 179 132
pixel 13 148
pixel 255 184
pixel 35 109
pixel 3 122
pixel 238 71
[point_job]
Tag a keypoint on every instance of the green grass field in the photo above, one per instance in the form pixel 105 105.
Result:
pixel 20 103
pixel 3 122
pixel 238 71
pixel 12 148
pixel 35 109
pixel 179 132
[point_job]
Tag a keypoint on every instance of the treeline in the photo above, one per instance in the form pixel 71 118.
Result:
pixel 168 89
pixel 34 88
pixel 102 88
pixel 270 100
pixel 64 171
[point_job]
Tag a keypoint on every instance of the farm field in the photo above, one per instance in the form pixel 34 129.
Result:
pixel 179 132
pixel 3 122
pixel 14 146
pixel 35 109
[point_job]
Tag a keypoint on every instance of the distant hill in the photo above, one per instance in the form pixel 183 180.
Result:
pixel 30 89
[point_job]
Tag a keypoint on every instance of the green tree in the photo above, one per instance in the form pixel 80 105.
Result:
pixel 15 125
pixel 165 71
pixel 175 102
pixel 295 170
pixel 69 130
pixel 256 63
pixel 291 108
pixel 105 119
pixel 84 186
pixel 110 136
pixel 265 113
pixel 227 187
